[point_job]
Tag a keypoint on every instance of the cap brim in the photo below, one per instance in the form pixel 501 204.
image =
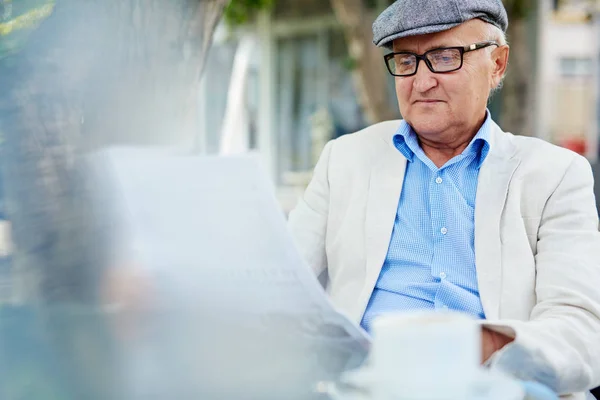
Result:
pixel 388 41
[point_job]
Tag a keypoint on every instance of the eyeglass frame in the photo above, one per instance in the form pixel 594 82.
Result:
pixel 461 49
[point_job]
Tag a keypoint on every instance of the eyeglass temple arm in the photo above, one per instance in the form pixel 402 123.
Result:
pixel 480 45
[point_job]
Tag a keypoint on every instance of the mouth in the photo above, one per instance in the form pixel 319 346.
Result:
pixel 427 101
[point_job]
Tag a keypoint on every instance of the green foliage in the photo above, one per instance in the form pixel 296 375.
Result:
pixel 18 18
pixel 239 12
pixel 350 63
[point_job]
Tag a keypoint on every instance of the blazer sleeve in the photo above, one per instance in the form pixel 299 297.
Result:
pixel 560 344
pixel 308 221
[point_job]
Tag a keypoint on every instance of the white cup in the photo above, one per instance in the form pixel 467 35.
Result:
pixel 425 355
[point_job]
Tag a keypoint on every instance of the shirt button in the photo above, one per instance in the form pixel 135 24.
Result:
pixel 444 231
pixel 443 275
pixel 439 180
pixel 445 308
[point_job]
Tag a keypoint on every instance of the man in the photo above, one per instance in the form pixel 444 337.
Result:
pixel 444 210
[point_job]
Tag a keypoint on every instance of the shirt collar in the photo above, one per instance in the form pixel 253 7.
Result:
pixel 406 141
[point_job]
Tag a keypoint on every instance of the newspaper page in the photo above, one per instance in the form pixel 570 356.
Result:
pixel 235 311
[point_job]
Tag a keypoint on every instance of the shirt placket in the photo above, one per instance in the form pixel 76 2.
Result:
pixel 438 222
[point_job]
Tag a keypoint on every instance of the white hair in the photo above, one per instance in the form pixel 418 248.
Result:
pixel 497 35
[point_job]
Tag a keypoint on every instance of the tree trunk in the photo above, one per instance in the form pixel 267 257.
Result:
pixel 369 74
pixel 518 90
pixel 518 93
pixel 94 73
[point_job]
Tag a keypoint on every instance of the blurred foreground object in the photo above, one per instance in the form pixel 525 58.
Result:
pixel 205 297
pixel 77 75
pixel 18 19
pixel 228 295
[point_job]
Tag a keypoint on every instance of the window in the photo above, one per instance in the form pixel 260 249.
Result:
pixel 576 67
pixel 316 100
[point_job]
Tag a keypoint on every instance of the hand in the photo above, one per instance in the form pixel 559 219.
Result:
pixel 128 288
pixel 491 342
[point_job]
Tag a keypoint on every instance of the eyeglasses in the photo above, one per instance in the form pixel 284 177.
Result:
pixel 439 61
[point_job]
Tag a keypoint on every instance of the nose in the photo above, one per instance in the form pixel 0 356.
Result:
pixel 424 79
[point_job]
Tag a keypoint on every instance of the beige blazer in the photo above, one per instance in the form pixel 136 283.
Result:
pixel 537 245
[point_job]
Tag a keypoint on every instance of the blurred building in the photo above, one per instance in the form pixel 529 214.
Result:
pixel 292 70
pixel 283 86
pixel 568 68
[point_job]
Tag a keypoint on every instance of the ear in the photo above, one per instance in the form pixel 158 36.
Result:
pixel 500 64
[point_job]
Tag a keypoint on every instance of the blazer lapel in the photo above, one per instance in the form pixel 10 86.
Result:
pixel 385 186
pixel 494 178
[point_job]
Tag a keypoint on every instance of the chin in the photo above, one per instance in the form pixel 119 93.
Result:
pixel 428 126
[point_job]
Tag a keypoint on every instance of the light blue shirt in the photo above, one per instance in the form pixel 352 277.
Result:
pixel 430 264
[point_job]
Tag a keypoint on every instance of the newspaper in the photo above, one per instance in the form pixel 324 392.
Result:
pixel 236 311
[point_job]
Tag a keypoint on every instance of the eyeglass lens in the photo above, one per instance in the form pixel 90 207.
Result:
pixel 442 60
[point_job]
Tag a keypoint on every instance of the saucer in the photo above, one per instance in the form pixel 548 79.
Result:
pixel 485 385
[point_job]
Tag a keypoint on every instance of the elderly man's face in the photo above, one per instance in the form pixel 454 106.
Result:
pixel 441 107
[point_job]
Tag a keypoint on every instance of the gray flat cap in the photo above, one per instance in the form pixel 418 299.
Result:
pixel 418 17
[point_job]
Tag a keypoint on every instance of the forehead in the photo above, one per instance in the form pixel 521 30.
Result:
pixel 464 34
